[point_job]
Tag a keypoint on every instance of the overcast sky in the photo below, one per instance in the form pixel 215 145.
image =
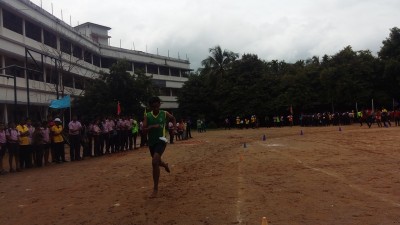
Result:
pixel 287 30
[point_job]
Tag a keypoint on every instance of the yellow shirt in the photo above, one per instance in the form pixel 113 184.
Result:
pixel 23 139
pixel 57 130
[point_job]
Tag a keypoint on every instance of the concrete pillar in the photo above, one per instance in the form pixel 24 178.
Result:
pixel 1 21
pixel 5 113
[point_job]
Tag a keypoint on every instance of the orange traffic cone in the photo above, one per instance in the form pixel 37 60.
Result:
pixel 264 221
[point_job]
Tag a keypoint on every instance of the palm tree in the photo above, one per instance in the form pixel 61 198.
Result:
pixel 219 61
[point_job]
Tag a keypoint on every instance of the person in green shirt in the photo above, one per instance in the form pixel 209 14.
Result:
pixel 135 131
pixel 154 125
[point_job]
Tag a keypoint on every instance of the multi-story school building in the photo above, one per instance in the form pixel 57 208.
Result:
pixel 43 58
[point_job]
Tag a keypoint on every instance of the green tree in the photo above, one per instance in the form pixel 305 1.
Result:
pixel 249 85
pixel 245 87
pixel 391 46
pixel 390 56
pixel 193 98
pixel 132 91
pixel 219 61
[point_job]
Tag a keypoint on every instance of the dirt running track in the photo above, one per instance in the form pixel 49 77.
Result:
pixel 323 177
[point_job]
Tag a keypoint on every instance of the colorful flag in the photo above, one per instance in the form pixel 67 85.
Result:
pixel 61 103
pixel 118 108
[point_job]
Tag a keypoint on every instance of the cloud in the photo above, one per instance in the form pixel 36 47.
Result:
pixel 284 30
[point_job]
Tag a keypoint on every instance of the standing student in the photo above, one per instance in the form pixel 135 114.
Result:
pixel 38 145
pixel 3 144
pixel 198 123
pixel 227 124
pixel 46 142
pixel 96 131
pixel 143 135
pixel 171 131
pixel 135 131
pixel 188 128
pixel 32 153
pixel 119 126
pixel 74 129
pixel 50 124
pixel 154 124
pixel 58 141
pixel 112 133
pixel 105 136
pixel 129 133
pixel 25 150
pixel 179 126
pixel 85 139
pixel 12 135
pixel 397 117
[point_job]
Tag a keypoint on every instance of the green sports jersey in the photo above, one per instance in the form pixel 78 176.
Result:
pixel 135 127
pixel 155 133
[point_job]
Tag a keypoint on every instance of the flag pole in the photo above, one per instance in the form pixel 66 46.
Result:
pixel 372 105
pixel 393 105
pixel 356 108
pixel 70 111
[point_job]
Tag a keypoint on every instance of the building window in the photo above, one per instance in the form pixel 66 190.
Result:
pixel 17 68
pixel 77 52
pixel 87 56
pixel 51 76
pixel 152 69
pixel 65 46
pixel 50 39
pixel 175 72
pixel 96 60
pixel 159 83
pixel 79 82
pixel 107 62
pixel 33 31
pixel 139 67
pixel 174 91
pixel 162 91
pixel 34 72
pixel 185 73
pixel 67 79
pixel 12 22
pixel 130 66
pixel 164 70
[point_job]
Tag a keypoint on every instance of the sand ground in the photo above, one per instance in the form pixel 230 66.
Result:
pixel 325 176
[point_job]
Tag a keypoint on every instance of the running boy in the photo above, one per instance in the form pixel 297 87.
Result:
pixel 154 124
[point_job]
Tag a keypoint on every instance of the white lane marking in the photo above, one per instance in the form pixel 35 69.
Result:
pixel 240 192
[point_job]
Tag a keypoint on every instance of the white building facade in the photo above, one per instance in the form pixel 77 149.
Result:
pixel 42 58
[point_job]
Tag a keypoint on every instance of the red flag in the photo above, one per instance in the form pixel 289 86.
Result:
pixel 118 109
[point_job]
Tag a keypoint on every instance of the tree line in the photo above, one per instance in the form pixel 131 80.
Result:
pixel 231 86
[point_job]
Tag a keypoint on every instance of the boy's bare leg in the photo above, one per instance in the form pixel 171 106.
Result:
pixel 156 162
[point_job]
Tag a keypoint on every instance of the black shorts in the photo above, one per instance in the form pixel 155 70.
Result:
pixel 13 148
pixel 3 148
pixel 158 148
